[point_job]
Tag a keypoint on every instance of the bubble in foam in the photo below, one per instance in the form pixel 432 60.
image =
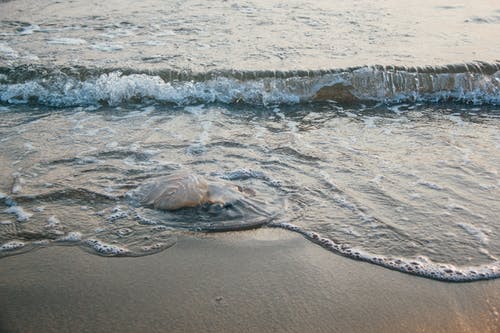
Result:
pixel 477 83
pixel 116 214
pixel 11 246
pixel 161 227
pixel 73 236
pixel 144 220
pixel 421 266
pixel 124 231
pixel 155 247
pixel 106 249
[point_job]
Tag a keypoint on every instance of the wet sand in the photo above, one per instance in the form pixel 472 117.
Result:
pixel 258 281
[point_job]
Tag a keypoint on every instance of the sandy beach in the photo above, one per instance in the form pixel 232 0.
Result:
pixel 266 280
pixel 370 126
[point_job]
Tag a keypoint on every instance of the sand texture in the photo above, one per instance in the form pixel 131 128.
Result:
pixel 257 281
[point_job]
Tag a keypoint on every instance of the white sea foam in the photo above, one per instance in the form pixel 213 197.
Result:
pixel 71 237
pixel 52 222
pixel 21 215
pixel 11 246
pixel 422 266
pixel 106 249
pixel 366 83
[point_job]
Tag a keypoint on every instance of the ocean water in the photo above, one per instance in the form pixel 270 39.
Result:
pixel 371 129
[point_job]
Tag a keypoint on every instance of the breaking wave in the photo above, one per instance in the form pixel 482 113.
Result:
pixel 474 83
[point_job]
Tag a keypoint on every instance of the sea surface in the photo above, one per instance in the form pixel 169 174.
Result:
pixel 372 129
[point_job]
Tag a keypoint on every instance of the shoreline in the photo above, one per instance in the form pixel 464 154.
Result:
pixel 266 280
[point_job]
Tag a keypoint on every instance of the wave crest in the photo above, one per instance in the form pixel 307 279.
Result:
pixel 477 83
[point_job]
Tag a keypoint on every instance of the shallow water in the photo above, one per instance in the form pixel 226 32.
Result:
pixel 416 182
pixel 395 164
pixel 251 35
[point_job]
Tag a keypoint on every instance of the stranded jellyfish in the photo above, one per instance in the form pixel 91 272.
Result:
pixel 213 206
